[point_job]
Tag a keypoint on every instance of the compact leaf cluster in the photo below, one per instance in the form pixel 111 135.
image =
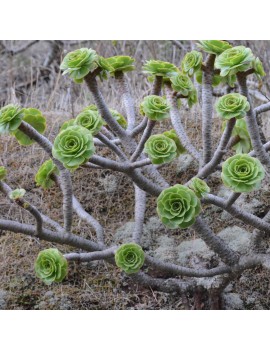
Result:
pixel 179 206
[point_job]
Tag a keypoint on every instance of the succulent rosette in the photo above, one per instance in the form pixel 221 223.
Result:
pixel 130 258
pixel 160 68
pixel 215 47
pixel 120 64
pixel 73 146
pixel 160 149
pixel 232 105
pixel 120 119
pixel 242 173
pixel 244 145
pixel 35 118
pixel 91 107
pixel 51 266
pixel 236 59
pixel 17 194
pixel 199 187
pixel 258 68
pixel 43 177
pixel 178 207
pixel 155 107
pixel 183 85
pixel 173 135
pixel 191 62
pixel 3 172
pixel 10 118
pixel 77 64
pixel 90 120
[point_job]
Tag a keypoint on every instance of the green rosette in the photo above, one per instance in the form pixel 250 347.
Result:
pixel 130 258
pixel 155 107
pixel 183 85
pixel 51 266
pixel 73 146
pixel 191 62
pixel 160 69
pixel 232 105
pixel 258 68
pixel 244 145
pixel 11 117
pixel 77 64
pixel 160 149
pixel 173 135
pixel 242 173
pixel 17 194
pixel 90 120
pixel 35 118
pixel 234 60
pixel 43 177
pixel 215 47
pixel 120 64
pixel 178 207
pixel 199 187
pixel 120 119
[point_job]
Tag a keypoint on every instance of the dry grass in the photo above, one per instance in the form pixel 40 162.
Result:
pixel 95 285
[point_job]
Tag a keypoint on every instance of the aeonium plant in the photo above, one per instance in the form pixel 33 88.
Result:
pixel 140 141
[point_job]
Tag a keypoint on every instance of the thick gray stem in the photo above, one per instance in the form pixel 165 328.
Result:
pixel 220 151
pixel 127 100
pixel 177 124
pixel 207 108
pixel 252 125
pixel 140 206
pixel 216 244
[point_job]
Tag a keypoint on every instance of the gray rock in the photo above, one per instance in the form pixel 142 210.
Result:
pixel 237 238
pixel 151 231
pixel 193 252
pixel 184 162
pixel 49 294
pixel 3 299
pixel 166 249
pixel 232 301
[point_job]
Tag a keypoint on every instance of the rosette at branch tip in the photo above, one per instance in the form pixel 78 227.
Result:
pixel 173 135
pixel 191 62
pixel 244 145
pixel 234 60
pixel 178 207
pixel 77 64
pixel 242 173
pixel 130 258
pixel 215 47
pixel 43 177
pixel 90 120
pixel 10 118
pixel 232 105
pixel 73 146
pixel 160 149
pixel 120 64
pixel 199 187
pixel 36 120
pixel 51 266
pixel 183 85
pixel 17 194
pixel 155 107
pixel 160 68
